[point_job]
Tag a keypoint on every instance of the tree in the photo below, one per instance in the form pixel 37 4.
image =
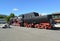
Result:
pixel 7 18
pixel 2 16
pixel 12 15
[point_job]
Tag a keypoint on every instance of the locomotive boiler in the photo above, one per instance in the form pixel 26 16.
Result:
pixel 36 21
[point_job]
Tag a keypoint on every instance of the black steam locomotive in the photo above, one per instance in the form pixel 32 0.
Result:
pixel 34 20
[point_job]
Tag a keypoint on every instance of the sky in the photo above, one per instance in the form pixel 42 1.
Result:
pixel 19 7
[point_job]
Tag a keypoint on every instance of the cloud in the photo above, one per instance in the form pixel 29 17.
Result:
pixel 15 9
pixel 45 13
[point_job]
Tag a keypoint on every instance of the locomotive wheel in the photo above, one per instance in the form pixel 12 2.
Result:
pixel 25 25
pixel 45 26
pixel 48 27
pixel 41 26
pixel 36 26
pixel 30 25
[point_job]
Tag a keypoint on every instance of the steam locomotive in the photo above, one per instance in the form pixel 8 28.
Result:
pixel 33 20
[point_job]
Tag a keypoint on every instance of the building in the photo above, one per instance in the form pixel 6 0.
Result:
pixel 2 19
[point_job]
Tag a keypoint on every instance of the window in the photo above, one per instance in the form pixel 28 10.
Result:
pixel 56 16
pixel 36 14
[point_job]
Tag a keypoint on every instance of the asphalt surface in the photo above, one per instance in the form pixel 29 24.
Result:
pixel 28 34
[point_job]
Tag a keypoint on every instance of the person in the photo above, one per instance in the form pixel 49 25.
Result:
pixel 6 26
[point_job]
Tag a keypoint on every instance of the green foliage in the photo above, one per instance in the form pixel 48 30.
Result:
pixel 7 18
pixel 10 16
pixel 2 16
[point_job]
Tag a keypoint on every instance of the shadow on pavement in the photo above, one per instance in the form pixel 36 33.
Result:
pixel 55 28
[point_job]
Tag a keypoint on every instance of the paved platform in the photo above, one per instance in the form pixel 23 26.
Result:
pixel 28 34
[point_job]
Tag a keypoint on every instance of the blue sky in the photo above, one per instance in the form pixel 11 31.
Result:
pixel 25 6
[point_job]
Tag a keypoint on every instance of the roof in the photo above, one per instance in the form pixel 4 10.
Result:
pixel 29 13
pixel 2 15
pixel 56 13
